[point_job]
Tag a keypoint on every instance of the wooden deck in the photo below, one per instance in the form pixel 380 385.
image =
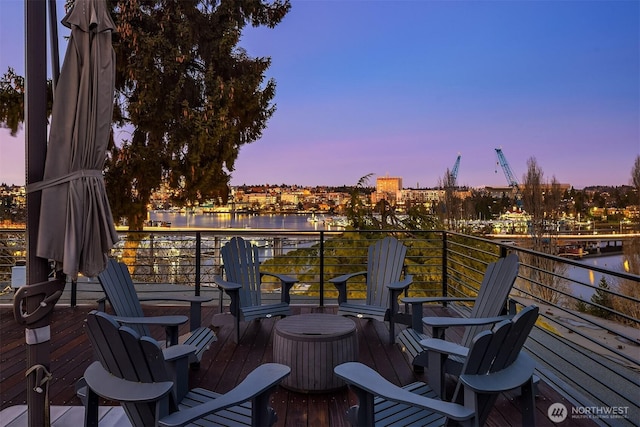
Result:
pixel 226 363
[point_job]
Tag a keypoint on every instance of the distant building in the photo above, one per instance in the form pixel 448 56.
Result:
pixel 423 196
pixel 388 188
pixel 499 192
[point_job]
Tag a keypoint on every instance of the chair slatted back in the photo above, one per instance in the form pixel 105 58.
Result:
pixel 494 291
pixel 242 265
pixel 494 350
pixel 125 354
pixel 118 286
pixel 385 262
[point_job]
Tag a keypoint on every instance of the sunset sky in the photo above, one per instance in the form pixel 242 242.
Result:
pixel 402 87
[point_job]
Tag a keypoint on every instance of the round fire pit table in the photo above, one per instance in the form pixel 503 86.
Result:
pixel 312 345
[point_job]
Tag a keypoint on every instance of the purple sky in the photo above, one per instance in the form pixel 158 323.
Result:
pixel 402 87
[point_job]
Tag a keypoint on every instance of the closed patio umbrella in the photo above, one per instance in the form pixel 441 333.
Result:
pixel 74 223
pixel 76 226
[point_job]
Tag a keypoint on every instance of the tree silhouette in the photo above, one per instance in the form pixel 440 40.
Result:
pixel 602 300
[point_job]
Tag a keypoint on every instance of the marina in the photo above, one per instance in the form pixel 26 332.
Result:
pixel 301 222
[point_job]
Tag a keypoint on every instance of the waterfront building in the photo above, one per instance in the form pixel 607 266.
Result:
pixel 388 188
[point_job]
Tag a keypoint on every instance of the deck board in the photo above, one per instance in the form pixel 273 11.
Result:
pixel 226 363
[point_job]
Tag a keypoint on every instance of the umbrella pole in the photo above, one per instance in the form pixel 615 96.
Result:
pixel 36 146
pixel 53 38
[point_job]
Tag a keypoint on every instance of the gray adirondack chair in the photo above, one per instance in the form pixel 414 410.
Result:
pixel 134 370
pixel 244 281
pixel 385 262
pixel 489 308
pixel 495 364
pixel 121 294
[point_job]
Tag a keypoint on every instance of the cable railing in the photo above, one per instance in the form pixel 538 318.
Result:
pixel 587 342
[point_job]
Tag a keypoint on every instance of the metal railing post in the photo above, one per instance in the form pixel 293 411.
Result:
pixel 152 253
pixel 218 268
pixel 321 268
pixel 445 273
pixel 198 255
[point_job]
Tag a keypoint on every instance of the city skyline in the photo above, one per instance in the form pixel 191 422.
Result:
pixel 401 88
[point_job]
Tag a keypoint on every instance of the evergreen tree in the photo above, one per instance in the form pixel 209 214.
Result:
pixel 635 174
pixel 581 306
pixel 603 298
pixel 192 96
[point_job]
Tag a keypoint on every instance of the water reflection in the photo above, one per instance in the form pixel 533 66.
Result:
pixel 585 275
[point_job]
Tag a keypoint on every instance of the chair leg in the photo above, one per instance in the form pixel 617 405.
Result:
pixel 528 403
pixel 91 408
pixel 392 330
pixel 436 375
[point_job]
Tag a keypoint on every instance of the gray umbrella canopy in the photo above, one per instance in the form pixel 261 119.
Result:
pixel 76 226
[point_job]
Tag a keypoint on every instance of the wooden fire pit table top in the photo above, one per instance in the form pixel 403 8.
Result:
pixel 312 345
pixel 328 325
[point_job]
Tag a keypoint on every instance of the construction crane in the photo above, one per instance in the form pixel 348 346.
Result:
pixel 456 166
pixel 452 175
pixel 511 179
pixel 502 161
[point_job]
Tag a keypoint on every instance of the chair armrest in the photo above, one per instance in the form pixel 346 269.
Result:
pixel 176 352
pixel 342 279
pixel 416 307
pixel 444 347
pixel 286 282
pixel 440 324
pixel 366 381
pixel 111 387
pixel 282 277
pixel 261 380
pixel 340 283
pixel 169 321
pixel 513 376
pixel 445 322
pixel 402 284
pixel 432 300
pixel 170 324
pixel 195 301
pixel 226 286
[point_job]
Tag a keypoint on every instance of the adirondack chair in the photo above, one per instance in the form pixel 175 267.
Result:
pixel 121 294
pixel 244 281
pixel 495 364
pixel 488 308
pixel 132 369
pixel 385 262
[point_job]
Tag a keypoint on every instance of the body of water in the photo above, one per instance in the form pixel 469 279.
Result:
pixel 224 220
pixel 590 277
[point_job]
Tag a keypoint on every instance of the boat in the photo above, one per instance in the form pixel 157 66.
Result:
pixel 571 251
pixel 337 221
pixel 314 219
